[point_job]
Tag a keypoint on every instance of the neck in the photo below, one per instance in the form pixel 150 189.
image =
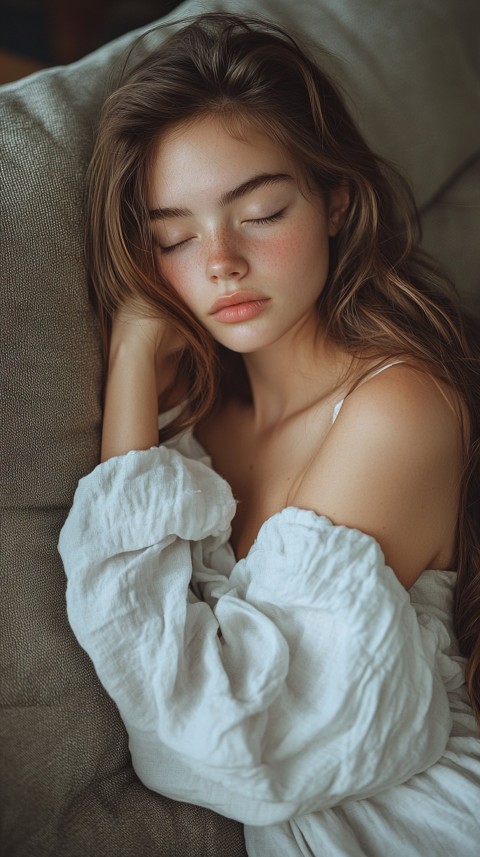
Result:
pixel 293 373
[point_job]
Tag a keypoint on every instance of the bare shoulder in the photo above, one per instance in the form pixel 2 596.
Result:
pixel 391 466
pixel 402 405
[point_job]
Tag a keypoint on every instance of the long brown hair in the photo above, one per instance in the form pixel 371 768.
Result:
pixel 383 297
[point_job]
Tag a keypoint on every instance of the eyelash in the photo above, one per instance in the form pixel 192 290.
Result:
pixel 165 250
pixel 272 218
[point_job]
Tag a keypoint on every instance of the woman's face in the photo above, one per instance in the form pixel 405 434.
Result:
pixel 236 237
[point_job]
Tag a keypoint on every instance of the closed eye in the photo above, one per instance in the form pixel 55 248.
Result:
pixel 171 247
pixel 271 219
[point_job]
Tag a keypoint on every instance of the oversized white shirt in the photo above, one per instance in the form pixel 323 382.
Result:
pixel 281 690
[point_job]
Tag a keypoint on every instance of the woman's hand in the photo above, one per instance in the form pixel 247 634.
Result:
pixel 143 356
pixel 135 321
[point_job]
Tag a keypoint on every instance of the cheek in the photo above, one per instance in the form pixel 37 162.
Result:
pixel 281 248
pixel 297 249
pixel 178 272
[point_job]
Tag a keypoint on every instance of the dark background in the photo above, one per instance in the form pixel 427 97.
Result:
pixel 55 32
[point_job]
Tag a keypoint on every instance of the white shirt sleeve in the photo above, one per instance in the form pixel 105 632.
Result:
pixel 285 683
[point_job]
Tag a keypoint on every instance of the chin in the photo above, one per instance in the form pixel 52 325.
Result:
pixel 246 344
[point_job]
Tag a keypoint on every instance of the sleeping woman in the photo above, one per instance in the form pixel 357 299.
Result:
pixel 275 568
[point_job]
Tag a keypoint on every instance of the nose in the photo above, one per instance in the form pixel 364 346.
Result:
pixel 226 261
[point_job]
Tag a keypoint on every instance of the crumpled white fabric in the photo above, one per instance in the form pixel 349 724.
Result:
pixel 281 690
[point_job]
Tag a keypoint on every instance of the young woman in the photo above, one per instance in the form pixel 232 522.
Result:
pixel 268 594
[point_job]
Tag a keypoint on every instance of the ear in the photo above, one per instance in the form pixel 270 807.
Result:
pixel 338 202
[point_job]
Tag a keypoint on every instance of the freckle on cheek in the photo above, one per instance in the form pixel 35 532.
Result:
pixel 178 274
pixel 283 248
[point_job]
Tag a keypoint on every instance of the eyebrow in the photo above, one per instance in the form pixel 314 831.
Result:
pixel 229 196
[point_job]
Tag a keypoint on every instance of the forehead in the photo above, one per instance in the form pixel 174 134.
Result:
pixel 206 157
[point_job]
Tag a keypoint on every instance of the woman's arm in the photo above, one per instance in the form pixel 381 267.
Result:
pixel 138 369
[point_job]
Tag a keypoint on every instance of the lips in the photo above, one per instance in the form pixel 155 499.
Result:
pixel 235 299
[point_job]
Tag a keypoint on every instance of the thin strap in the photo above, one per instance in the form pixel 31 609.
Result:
pixel 382 369
pixel 339 404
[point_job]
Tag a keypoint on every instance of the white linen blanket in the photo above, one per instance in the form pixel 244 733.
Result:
pixel 295 690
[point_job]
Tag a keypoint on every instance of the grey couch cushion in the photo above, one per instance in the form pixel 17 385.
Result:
pixel 451 226
pixel 68 787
